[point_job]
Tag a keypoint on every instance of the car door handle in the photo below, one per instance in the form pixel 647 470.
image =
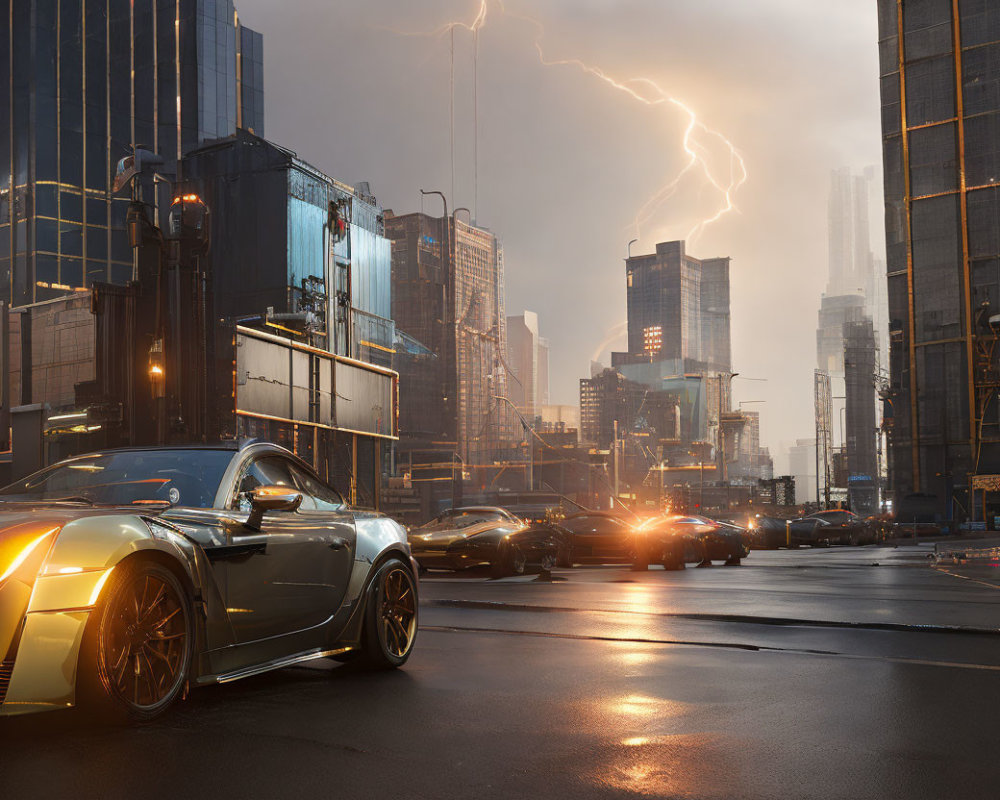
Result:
pixel 336 543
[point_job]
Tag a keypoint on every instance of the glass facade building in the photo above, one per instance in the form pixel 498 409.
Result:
pixel 82 80
pixel 678 306
pixel 448 294
pixel 940 81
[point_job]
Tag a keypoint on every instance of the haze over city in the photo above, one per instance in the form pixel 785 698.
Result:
pixel 566 160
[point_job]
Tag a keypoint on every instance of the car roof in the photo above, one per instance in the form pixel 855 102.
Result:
pixel 597 513
pixel 231 447
pixel 493 509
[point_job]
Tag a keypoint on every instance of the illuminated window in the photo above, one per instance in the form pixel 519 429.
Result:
pixel 652 338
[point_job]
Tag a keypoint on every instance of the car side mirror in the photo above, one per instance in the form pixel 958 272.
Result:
pixel 270 498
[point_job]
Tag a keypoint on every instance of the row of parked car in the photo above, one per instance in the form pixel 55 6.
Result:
pixel 822 529
pixel 512 541
pixel 510 544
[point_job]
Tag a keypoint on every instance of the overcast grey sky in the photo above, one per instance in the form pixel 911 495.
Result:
pixel 566 160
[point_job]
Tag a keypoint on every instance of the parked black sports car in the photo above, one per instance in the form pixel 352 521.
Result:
pixel 599 537
pixel 723 541
pixel 840 526
pixel 127 575
pixel 770 533
pixel 664 540
pixel 485 536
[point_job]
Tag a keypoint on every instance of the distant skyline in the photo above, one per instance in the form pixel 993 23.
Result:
pixel 566 160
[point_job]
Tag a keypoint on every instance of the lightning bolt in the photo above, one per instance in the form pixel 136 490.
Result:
pixel 649 93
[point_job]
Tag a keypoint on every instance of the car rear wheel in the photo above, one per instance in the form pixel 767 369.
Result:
pixel 733 562
pixel 390 618
pixel 673 558
pixel 640 557
pixel 510 561
pixel 136 655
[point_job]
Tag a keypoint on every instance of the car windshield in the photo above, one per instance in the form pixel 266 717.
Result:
pixel 456 520
pixel 129 477
pixel 835 516
pixel 592 524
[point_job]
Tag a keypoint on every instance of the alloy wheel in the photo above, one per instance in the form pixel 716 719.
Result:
pixel 144 641
pixel 398 616
pixel 517 560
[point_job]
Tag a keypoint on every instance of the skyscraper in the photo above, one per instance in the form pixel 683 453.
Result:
pixel 860 434
pixel 79 83
pixel 527 358
pixel 447 280
pixel 852 298
pixel 678 307
pixel 940 109
pixel 850 255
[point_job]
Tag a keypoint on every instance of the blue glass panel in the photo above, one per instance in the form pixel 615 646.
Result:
pixel 121 273
pixel 47 269
pixel 97 243
pixel 71 271
pixel 47 235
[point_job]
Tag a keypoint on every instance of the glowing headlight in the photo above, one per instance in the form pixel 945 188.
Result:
pixel 24 554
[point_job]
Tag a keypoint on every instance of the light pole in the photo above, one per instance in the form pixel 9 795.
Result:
pixel 628 248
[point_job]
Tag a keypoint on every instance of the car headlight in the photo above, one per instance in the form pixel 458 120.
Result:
pixel 22 556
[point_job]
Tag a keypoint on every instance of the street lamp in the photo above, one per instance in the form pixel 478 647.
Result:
pixel 628 248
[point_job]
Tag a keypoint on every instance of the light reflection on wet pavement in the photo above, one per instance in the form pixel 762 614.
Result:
pixel 776 679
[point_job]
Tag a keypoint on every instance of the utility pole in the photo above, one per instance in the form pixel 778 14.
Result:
pixel 614 453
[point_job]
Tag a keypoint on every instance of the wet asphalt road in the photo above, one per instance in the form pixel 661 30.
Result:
pixel 838 673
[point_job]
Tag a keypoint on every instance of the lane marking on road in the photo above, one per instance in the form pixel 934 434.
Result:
pixel 965 577
pixel 497 605
pixel 716 645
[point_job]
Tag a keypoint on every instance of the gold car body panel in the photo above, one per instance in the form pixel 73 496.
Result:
pixel 52 619
pixel 45 669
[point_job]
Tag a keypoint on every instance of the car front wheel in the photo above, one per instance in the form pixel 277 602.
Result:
pixel 136 656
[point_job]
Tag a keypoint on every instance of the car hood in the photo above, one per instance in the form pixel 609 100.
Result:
pixel 27 532
pixel 443 538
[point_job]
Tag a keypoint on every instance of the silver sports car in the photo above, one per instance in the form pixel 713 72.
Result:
pixel 128 575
